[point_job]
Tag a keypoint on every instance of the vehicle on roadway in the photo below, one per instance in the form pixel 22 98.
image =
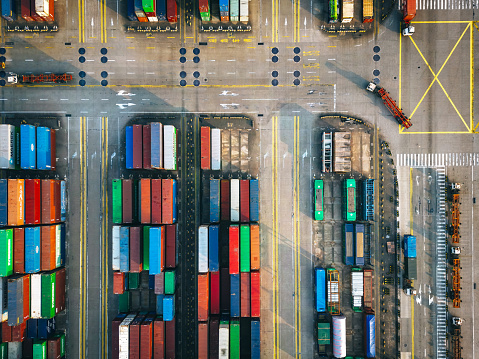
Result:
pixel 318 200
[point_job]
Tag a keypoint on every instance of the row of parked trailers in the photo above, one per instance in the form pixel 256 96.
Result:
pixel 33 347
pixel 147 201
pixel 152 10
pixel 353 245
pixel 152 146
pixel 27 147
pixel 235 200
pixel 30 10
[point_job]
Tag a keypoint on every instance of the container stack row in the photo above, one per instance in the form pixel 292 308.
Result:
pixel 27 147
pixel 31 10
pixel 153 10
pixel 151 146
pixel 146 201
pixel 235 200
pixel 47 344
pixel 230 10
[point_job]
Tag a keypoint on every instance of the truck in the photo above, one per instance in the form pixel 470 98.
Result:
pixel 368 288
pixel 339 336
pixel 357 289
pixel 409 246
pixel 333 289
pixel 393 108
pixel 13 78
pixel 320 293
pixel 411 268
pixel 347 11
pixel 409 12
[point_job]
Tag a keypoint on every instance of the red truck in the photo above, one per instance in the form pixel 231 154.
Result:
pixel 409 12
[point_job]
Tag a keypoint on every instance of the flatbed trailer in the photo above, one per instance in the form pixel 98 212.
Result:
pixel 52 78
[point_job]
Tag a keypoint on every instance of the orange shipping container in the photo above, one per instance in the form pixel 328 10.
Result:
pixel 48 252
pixel 145 200
pixel 255 258
pixel 16 192
pixel 255 294
pixel 202 340
pixel 26 297
pixel 203 297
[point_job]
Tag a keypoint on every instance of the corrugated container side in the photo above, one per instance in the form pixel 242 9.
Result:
pixel 234 249
pixel 125 249
pixel 245 295
pixel 225 200
pixel 255 294
pixel 168 209
pixel 19 250
pixel 157 249
pixel 15 301
pixel 158 339
pixel 168 308
pixel 146 337
pixel 213 248
pixel 169 132
pixel 172 11
pixel 53 141
pixel 115 262
pixel 63 200
pixel 19 332
pixel 215 149
pixel 157 145
pixel 205 148
pixel 203 297
pixel 245 253
pixel 225 290
pixel 117 201
pixel 145 199
pixel 32 189
pixel 136 265
pixel 214 342
pixel 46 202
pixel 48 295
pixel 32 250
pixel 255 339
pixel 161 10
pixel 129 147
pixel 235 310
pixel 134 340
pixel 255 247
pixel 234 340
pixel 6 252
pixel 48 252
pixel 58 245
pixel 170 246
pixel 35 296
pixel 3 202
pixel 170 339
pixel 137 146
pixel 156 201
pixel 370 335
pixel 54 348
pixel 118 283
pixel 26 297
pixel 60 290
pixel 160 283
pixel 170 281
pixel 27 147
pixel 146 146
pixel 115 335
pixel 14 350
pixel 44 156
pixel 235 200
pixel 254 200
pixel 203 341
pixel 224 340
pixel 6 332
pixel 203 249
pixel 215 292
pixel 214 200
pixel 244 201
pixel 127 197
pixel 146 247
pixel 16 193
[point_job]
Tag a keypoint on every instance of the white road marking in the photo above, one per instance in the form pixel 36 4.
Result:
pixel 28 60
pixel 43 99
pixel 63 99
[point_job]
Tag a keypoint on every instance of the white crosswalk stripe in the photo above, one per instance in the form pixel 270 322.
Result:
pixel 437 159
pixel 444 4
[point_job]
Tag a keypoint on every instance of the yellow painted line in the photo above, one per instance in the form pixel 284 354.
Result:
pixel 412 326
pixel 475 128
pixel 28 37
pixel 400 67
pixel 90 47
pixel 189 37
pixel 130 37
pixel 411 219
pixel 130 47
pixel 275 240
pixel 92 37
pixel 297 241
pixel 471 80
pixel 49 37
pixel 251 47
pixel 171 37
pixel 101 21
pixel 150 37
pixel 82 322
pixel 150 47
pixel 441 22
pixel 437 132
pixel 331 46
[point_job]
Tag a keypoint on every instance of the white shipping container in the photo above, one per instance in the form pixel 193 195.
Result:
pixel 170 147
pixel 339 336
pixel 333 292
pixel 42 7
pixel 7 147
pixel 203 249
pixel 14 350
pixel 244 10
pixel 152 19
pixel 216 149
pixel 235 200
pixel 36 296
pixel 124 336
pixel 224 341
pixel 58 240
pixel 115 263
pixel 357 286
pixel 157 141
pixel 357 301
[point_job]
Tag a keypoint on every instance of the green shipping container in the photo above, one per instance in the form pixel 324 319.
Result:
pixel 170 282
pixel 324 333
pixel 133 280
pixel 124 302
pixel 62 343
pixel 6 252
pixel 39 349
pixel 116 201
pixel 205 16
pixel 3 351
pixel 234 340
pixel 48 295
pixel 146 248
pixel 245 255
pixel 148 5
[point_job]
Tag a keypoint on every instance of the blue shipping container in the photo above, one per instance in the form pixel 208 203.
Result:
pixel 214 200
pixel 8 10
pixel 224 5
pixel 44 151
pixel 155 250
pixel 124 249
pixel 62 245
pixel 255 339
pixel 320 279
pixel 168 308
pixel 370 335
pixel 159 304
pixel 3 202
pixel 151 282
pixel 213 231
pixel 32 250
pixel 131 10
pixel 254 200
pixel 155 146
pixel 410 246
pixel 45 327
pixel 175 210
pixel 161 10
pixel 129 146
pixel 27 147
pixel 63 200
pixel 235 295
pixel 348 251
pixel 32 328
pixel 359 245
pixel 15 301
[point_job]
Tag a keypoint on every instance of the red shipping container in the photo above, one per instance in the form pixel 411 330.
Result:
pixel 58 208
pixel 170 246
pixel 244 201
pixel 26 297
pixel 214 338
pixel 46 202
pixel 170 339
pixel 134 341
pixel 234 249
pixel 136 263
pixel 205 148
pixel 158 339
pixel 6 332
pixel 203 297
pixel 115 336
pixel 32 201
pixel 16 201
pixel 145 200
pixel 60 290
pixel 202 340
pixel 146 339
pixel 127 196
pixel 167 201
pixel 18 332
pixel 53 202
pixel 156 201
pixel 255 294
pixel 25 8
pixel 54 348
pixel 118 283
pixel 171 10
pixel 53 133
pixel 19 250
pixel 33 13
pixel 225 200
pixel 48 251
pixel 245 295
pixel 137 146
pixel 160 283
pixel 215 292
pixel 147 146
pixel 225 290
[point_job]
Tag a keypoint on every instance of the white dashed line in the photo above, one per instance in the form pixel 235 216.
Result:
pixel 28 60
pixel 43 99
pixel 85 99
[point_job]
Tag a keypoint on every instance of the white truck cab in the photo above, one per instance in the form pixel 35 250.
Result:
pixel 12 78
pixel 408 31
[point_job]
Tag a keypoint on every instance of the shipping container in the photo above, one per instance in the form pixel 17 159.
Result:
pixel 168 308
pixel 254 200
pixel 12 351
pixel 225 10
pixel 48 294
pixel 357 289
pixel 370 334
pixel 63 244
pixel 160 283
pixel 117 201
pixel 234 249
pixel 134 336
pixel 145 200
pixel 244 16
pixel 39 349
pixel 213 338
pixel 157 145
pixel 129 144
pixel 146 337
pixel 244 201
pixel 16 198
pixel 118 282
pixel 411 268
pixel 235 200
pixel 409 246
pixel 44 155
pixel 26 297
pixel 131 10
pixel 245 253
pixel 205 10
pixel 125 249
pixel 47 196
pixel 8 146
pixel 214 200
pixel 124 302
pixel 320 293
pixel 255 339
pixel 203 249
pixel 124 336
pixel 8 10
pixel 19 332
pixel 359 245
pixel 157 249
pixel 3 202
pixel 172 15
pixel 226 148
pixel 225 200
pixel 56 201
pixel 205 148
pixel 255 294
pixel 234 11
pixel 159 304
pixel 147 142
pixel 53 133
pixel 63 201
pixel 137 154
pixel 3 300
pixel 171 258
pixel 234 339
pixel 127 201
pixel 15 300
pixel 235 295
pixel 170 340
pixel 215 149
pixel 170 281
pixel 224 339
pixel 225 290
pixel 35 296
pixel 348 252
pixel 19 250
pixel 6 252
pixel 60 290
pixel 203 297
pixel 203 340
pixel 158 339
pixel 213 252
pixel 168 210
pixel 245 295
pixel 215 292
pixel 6 332
pixel 48 252
pixel 146 248
pixel 149 7
pixel 255 247
pixel 133 280
pixel 161 10
pixel 156 201
pixel 339 336
pixel 169 132
pixel 115 256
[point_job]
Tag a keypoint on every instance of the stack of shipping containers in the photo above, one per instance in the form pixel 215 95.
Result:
pixel 152 10
pixel 228 260
pixel 32 242
pixel 144 246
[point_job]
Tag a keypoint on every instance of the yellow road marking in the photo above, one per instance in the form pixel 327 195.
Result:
pixel 275 240
pixel 436 132
pixel 411 220
pixel 105 236
pixel 441 22
pixel 412 325
pixel 296 242
pixel 471 76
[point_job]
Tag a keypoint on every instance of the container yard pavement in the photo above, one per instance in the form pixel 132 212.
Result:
pixel 235 77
